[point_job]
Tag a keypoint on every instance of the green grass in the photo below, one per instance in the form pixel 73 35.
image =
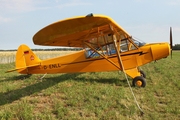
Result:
pixel 103 95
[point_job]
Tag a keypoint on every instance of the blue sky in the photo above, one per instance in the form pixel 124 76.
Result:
pixel 147 20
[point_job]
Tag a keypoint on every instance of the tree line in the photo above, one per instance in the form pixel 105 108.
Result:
pixel 53 49
pixel 175 47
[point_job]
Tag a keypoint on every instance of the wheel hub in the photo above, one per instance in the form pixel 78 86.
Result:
pixel 139 83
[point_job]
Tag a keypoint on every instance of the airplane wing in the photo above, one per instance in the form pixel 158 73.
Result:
pixel 73 32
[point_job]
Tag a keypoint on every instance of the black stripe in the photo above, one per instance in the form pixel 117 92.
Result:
pixel 140 53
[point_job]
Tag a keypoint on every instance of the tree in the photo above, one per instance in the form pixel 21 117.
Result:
pixel 176 47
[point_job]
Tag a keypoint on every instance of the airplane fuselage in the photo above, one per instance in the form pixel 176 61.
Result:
pixel 78 62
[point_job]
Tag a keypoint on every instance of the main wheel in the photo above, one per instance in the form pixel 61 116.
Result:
pixel 139 81
pixel 142 73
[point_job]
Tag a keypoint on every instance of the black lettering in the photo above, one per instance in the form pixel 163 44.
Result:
pixel 53 65
pixel 45 67
pixel 50 66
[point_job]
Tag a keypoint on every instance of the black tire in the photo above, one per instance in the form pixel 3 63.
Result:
pixel 139 81
pixel 142 73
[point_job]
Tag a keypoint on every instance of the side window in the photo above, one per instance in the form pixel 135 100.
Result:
pixel 111 49
pixel 90 53
pixel 104 44
pixel 104 50
pixel 126 45
pixel 132 47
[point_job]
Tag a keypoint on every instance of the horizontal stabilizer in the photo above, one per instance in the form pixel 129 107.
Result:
pixel 22 68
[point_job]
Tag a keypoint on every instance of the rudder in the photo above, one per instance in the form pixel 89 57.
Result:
pixel 25 58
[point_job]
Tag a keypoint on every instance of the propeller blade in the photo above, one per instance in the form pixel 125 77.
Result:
pixel 171 41
pixel 171 44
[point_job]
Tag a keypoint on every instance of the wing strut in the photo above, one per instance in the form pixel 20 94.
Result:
pixel 122 66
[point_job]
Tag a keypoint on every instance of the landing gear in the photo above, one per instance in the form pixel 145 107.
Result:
pixel 142 73
pixel 139 81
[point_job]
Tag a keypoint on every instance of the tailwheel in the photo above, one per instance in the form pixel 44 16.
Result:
pixel 139 81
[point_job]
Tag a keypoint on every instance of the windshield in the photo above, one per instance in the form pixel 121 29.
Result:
pixel 139 43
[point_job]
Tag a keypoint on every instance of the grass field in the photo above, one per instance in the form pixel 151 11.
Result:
pixel 103 95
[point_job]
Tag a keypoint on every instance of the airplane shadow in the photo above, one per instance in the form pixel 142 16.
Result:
pixel 13 95
pixel 13 78
pixel 101 80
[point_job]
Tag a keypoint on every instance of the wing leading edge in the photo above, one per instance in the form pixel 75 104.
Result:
pixel 74 32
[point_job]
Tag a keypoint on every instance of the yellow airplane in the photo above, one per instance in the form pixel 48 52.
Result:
pixel 106 47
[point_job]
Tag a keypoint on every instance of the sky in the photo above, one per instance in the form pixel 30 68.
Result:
pixel 146 20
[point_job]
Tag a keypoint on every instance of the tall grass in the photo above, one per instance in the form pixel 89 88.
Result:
pixel 10 57
pixel 51 54
pixel 103 95
pixel 7 57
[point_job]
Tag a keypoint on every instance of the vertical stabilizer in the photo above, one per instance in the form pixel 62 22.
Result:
pixel 25 58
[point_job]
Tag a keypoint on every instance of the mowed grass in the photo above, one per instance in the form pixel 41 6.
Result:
pixel 103 95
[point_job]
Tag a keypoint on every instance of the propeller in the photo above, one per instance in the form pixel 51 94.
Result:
pixel 171 41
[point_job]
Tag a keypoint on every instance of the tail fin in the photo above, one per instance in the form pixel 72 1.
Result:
pixel 25 58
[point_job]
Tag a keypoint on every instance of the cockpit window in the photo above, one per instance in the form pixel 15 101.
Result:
pixel 127 44
pixel 139 43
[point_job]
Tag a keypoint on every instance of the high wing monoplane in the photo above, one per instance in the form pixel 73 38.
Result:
pixel 106 47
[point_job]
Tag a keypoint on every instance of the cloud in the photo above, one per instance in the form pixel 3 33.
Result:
pixel 17 5
pixel 9 9
pixel 21 6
